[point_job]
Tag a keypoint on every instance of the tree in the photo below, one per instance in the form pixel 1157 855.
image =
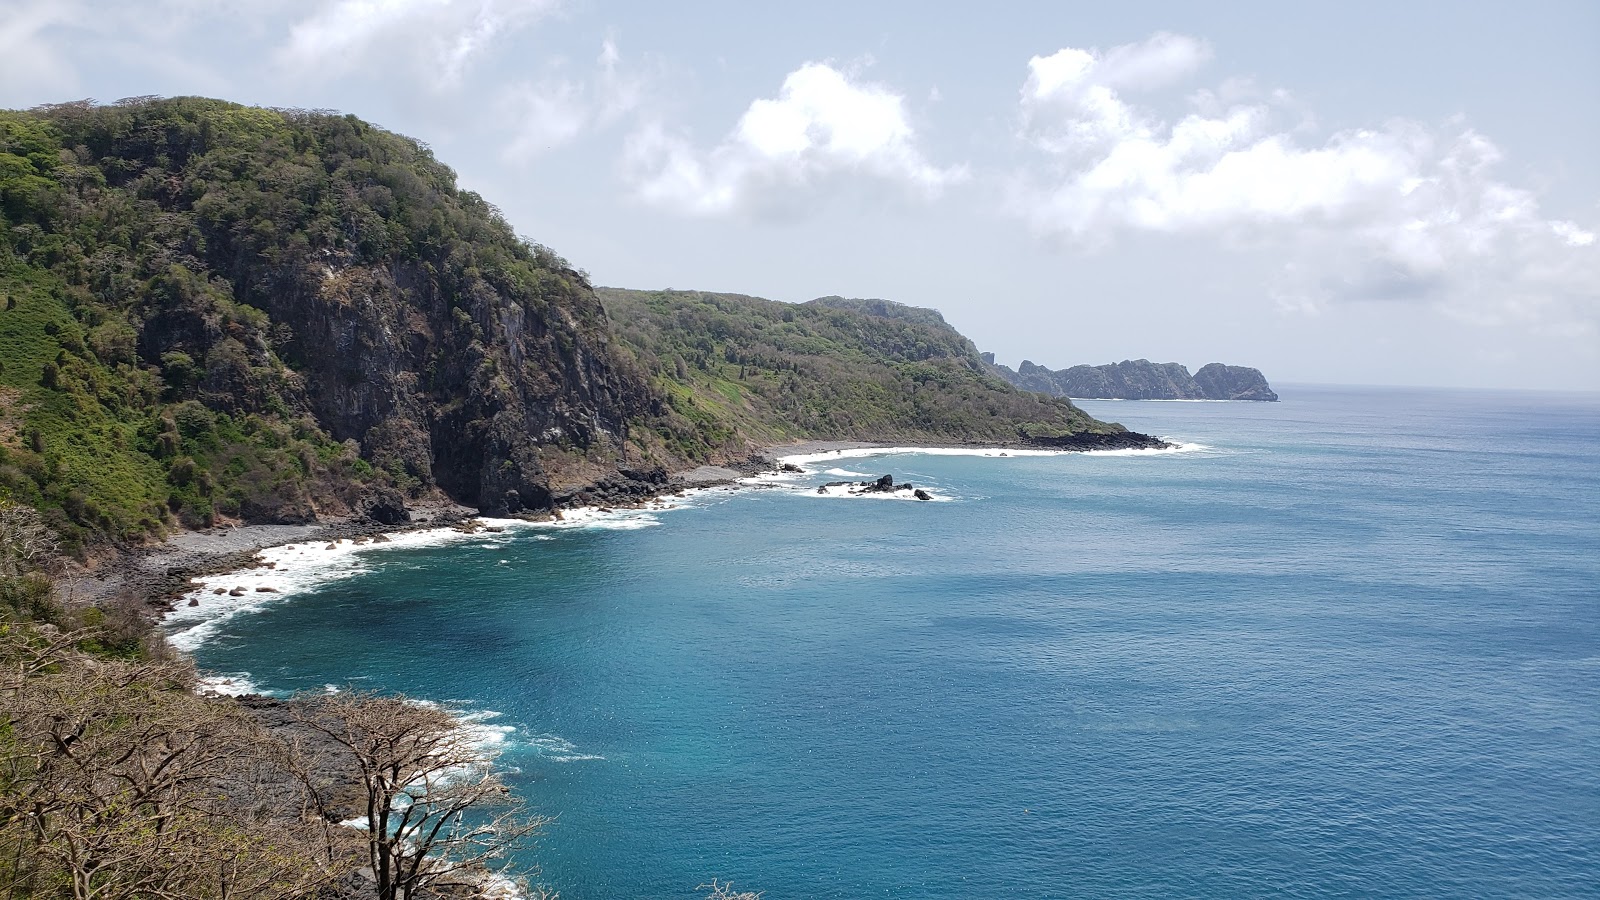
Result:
pixel 436 814
pixel 116 780
pixel 25 542
pixel 27 546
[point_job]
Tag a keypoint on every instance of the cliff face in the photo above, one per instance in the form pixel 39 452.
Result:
pixel 215 312
pixel 1139 379
pixel 460 387
pixel 1220 382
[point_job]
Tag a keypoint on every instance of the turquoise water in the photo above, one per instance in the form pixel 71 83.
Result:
pixel 1351 649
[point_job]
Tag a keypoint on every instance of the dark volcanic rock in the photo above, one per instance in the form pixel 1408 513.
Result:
pixel 883 484
pixel 386 506
pixel 1126 440
pixel 1220 382
pixel 626 487
pixel 1139 379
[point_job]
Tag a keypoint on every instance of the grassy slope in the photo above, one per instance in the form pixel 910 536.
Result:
pixel 742 371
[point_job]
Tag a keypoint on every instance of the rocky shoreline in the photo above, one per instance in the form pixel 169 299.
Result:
pixel 151 579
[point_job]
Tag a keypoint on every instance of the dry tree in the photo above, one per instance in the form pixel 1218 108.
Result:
pixel 436 814
pixel 119 781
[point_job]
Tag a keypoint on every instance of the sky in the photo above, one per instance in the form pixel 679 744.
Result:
pixel 1352 192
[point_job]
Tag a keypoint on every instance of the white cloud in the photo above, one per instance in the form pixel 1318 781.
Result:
pixel 29 60
pixel 440 37
pixel 1572 234
pixel 557 109
pixel 822 127
pixel 1070 102
pixel 1398 212
pixel 45 44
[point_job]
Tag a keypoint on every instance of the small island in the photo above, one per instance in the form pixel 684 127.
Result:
pixel 1139 379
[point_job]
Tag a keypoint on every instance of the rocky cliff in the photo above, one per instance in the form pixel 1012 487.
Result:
pixel 213 313
pixel 740 369
pixel 1139 379
pixel 1220 382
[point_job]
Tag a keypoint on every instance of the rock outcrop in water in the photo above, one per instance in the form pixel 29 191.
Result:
pixel 1139 379
pixel 883 484
pixel 1220 382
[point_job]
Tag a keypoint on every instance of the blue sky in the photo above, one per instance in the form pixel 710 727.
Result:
pixel 1390 193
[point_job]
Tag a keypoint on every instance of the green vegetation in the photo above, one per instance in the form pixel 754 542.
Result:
pixel 214 313
pixel 142 384
pixel 138 389
pixel 740 370
pixel 119 780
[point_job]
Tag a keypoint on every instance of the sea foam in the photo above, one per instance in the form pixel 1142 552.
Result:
pixel 801 459
pixel 227 684
pixel 856 492
pixel 291 569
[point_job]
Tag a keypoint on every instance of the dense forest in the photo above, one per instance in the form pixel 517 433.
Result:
pixel 218 313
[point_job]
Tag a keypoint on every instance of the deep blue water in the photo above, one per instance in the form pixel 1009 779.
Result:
pixel 1353 649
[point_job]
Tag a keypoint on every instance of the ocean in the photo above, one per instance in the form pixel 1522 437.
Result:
pixel 1344 644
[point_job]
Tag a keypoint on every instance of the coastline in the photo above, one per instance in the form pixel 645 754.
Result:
pixel 194 582
pixel 223 569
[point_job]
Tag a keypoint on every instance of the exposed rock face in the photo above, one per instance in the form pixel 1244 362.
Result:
pixel 276 316
pixel 1139 379
pixel 625 487
pixel 1220 382
pixel 456 388
pixel 1126 441
pixel 884 484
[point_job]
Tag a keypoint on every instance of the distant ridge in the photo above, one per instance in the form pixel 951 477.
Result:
pixel 215 314
pixel 1139 379
pixel 739 372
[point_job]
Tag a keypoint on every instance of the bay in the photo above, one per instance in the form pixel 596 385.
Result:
pixel 1349 645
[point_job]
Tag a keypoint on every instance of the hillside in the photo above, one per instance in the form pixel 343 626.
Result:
pixel 217 312
pixel 753 371
pixel 213 313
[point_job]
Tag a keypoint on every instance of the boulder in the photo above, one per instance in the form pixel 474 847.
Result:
pixel 386 506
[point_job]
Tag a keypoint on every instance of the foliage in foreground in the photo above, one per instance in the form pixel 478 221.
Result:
pixel 117 779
